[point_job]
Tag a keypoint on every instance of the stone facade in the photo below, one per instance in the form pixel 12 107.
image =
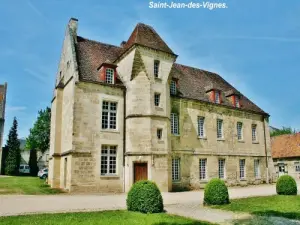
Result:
pixel 3 91
pixel 289 166
pixel 78 138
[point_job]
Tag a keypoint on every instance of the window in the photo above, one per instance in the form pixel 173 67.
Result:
pixel 176 169
pixel 174 123
pixel 201 127
pixel 109 115
pixel 159 134
pixel 254 134
pixel 239 127
pixel 47 157
pixel 108 160
pixel 217 96
pixel 297 166
pixel 156 99
pixel 256 168
pixel 109 76
pixel 156 68
pixel 173 89
pixel 219 129
pixel 202 169
pixel 242 169
pixel 237 101
pixel 221 168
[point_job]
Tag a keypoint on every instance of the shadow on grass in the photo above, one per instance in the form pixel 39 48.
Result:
pixel 290 215
pixel 265 220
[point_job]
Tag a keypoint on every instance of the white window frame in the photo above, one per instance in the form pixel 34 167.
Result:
pixel 257 168
pixel 176 169
pixel 220 134
pixel 217 97
pixel 174 123
pixel 239 130
pixel 203 169
pixel 109 156
pixel 173 88
pixel 156 99
pixel 221 168
pixel 254 132
pixel 242 165
pixel 109 75
pixel 201 126
pixel 109 115
pixel 156 68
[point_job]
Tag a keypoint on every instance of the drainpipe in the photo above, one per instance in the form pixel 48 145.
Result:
pixel 124 138
pixel 266 151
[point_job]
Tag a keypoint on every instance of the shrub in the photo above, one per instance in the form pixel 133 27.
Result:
pixel 286 185
pixel 216 193
pixel 144 196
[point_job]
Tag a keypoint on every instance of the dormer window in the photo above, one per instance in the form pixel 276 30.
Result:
pixel 109 76
pixel 217 97
pixel 173 88
pixel 156 68
pixel 236 101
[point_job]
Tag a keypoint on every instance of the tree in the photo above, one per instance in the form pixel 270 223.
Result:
pixel 284 130
pixel 33 163
pixel 13 158
pixel 39 136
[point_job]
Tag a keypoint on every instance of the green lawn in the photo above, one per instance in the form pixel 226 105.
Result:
pixel 277 205
pixel 103 218
pixel 25 185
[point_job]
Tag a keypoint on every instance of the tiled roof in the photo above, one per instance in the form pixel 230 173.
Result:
pixel 145 35
pixel 91 54
pixel 286 146
pixel 192 82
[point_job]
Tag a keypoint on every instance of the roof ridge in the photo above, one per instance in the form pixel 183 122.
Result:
pixel 192 67
pixel 98 42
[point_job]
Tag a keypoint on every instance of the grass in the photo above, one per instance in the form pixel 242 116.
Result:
pixel 277 205
pixel 103 218
pixel 25 185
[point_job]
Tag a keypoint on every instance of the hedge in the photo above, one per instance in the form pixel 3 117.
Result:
pixel 216 193
pixel 286 185
pixel 144 196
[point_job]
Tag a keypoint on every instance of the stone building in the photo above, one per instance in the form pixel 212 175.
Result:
pixel 3 90
pixel 129 112
pixel 286 154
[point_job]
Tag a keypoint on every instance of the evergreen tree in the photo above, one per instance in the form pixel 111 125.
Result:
pixel 14 154
pixel 33 163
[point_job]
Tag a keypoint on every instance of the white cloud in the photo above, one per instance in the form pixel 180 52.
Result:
pixel 15 108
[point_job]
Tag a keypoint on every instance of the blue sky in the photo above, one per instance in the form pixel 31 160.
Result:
pixel 255 45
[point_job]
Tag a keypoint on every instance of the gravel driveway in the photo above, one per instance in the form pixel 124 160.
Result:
pixel 181 203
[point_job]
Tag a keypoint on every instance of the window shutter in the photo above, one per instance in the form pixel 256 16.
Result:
pixel 212 96
pixel 102 73
pixel 220 96
pixel 233 100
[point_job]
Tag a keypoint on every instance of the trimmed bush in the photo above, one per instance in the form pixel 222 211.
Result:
pixel 286 185
pixel 216 193
pixel 144 196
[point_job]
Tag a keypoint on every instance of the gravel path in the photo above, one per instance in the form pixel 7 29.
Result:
pixel 187 204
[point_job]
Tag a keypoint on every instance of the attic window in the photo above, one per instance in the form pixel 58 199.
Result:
pixel 217 97
pixel 109 76
pixel 236 101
